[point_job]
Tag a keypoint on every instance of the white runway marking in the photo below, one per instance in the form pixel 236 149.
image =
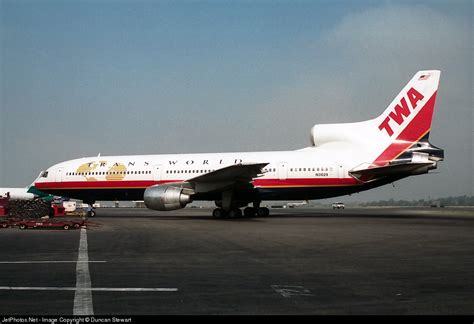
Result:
pixel 83 297
pixel 31 262
pixel 83 290
pixel 94 289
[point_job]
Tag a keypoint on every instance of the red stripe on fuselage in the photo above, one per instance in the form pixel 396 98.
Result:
pixel 111 184
pixel 305 182
pixel 414 131
pixel 142 184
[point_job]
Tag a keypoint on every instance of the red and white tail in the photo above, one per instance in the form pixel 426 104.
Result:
pixel 408 118
pixel 405 122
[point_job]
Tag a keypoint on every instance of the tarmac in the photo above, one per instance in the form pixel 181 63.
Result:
pixel 374 261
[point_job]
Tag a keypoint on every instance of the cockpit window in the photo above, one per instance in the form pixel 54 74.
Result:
pixel 44 174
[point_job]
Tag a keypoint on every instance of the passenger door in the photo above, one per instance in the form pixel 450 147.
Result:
pixel 59 175
pixel 282 170
pixel 157 172
pixel 340 170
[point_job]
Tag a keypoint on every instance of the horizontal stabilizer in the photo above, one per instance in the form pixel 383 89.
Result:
pixel 393 170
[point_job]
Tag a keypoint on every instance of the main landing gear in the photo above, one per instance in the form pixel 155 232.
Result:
pixel 249 212
pixel 229 207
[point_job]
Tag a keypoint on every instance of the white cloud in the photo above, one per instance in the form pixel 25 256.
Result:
pixel 398 33
pixel 368 57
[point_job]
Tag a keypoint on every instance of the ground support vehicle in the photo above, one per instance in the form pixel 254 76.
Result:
pixel 34 214
pixel 4 206
pixel 338 205
pixel 49 223
pixel 5 222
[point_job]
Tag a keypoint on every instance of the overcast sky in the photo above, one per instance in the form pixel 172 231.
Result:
pixel 131 77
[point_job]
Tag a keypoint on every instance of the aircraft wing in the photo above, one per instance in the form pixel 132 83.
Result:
pixel 375 173
pixel 235 175
pixel 238 172
pixel 238 175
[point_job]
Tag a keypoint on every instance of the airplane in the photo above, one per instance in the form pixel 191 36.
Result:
pixel 296 204
pixel 343 159
pixel 28 193
pixel 17 193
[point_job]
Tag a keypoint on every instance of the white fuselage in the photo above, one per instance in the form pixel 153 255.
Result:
pixel 17 193
pixel 307 168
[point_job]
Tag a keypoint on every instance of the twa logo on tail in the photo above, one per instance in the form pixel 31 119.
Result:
pixel 407 119
pixel 401 111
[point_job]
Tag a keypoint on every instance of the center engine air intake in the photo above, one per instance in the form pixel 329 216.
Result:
pixel 347 132
pixel 163 197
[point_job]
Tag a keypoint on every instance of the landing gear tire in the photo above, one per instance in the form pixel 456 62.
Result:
pixel 235 213
pixel 249 212
pixel 218 213
pixel 91 213
pixel 263 212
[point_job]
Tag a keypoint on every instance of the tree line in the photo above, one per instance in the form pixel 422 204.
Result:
pixel 439 202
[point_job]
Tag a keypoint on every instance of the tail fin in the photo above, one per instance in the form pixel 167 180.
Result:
pixel 403 127
pixel 407 120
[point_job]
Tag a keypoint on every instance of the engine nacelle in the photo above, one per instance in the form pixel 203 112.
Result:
pixel 163 197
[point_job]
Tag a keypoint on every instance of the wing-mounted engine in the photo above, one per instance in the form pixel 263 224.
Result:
pixel 167 196
pixel 176 195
